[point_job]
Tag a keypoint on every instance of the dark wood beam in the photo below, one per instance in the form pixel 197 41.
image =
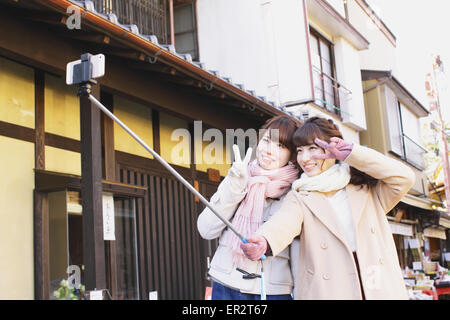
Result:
pixel 91 193
pixel 156 135
pixel 123 53
pixel 42 16
pixel 41 246
pixel 153 67
pixel 109 173
pixel 40 200
pixel 85 36
pixel 48 181
pixel 17 132
pixel 39 87
pixel 61 142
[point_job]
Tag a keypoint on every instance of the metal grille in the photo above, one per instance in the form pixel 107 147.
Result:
pixel 170 250
pixel 413 151
pixel 149 15
pixel 330 94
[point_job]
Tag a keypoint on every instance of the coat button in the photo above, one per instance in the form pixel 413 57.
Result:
pixel 372 230
pixel 323 245
pixel 326 276
pixel 381 261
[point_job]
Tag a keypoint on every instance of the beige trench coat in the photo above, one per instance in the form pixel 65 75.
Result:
pixel 324 266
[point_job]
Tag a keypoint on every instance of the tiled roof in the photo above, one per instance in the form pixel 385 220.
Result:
pixel 89 5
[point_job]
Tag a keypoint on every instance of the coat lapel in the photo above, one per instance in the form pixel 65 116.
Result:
pixel 357 198
pixel 321 208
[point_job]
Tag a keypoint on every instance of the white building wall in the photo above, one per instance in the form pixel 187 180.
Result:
pixel 349 75
pixel 231 40
pixel 292 51
pixel 381 53
pixel 259 43
pixel 338 5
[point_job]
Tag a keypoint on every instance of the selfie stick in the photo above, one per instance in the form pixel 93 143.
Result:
pixel 85 90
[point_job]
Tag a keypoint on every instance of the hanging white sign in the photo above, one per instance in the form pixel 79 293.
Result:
pixel 108 217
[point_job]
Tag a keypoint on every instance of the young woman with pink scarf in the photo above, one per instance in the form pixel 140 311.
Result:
pixel 248 196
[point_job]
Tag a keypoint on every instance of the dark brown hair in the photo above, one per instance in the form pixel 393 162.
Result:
pixel 317 127
pixel 286 126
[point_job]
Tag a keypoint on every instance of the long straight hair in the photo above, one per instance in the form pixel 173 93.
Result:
pixel 317 127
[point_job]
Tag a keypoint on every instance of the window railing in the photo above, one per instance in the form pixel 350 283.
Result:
pixel 413 152
pixel 330 94
pixel 149 15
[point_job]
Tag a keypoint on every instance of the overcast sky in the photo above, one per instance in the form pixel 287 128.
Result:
pixel 422 28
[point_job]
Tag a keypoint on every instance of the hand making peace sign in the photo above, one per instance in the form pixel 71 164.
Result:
pixel 337 149
pixel 238 172
pixel 239 168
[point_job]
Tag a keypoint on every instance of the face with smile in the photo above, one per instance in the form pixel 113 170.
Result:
pixel 270 154
pixel 310 165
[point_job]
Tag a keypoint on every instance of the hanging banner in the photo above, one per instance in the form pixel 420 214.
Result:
pixel 434 233
pixel 401 228
pixel 444 222
pixel 109 232
pixel 414 243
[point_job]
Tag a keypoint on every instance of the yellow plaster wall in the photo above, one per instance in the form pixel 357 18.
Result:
pixel 139 119
pixel 16 93
pixel 64 161
pixel 376 134
pixel 62 108
pixel 209 155
pixel 16 219
pixel 175 151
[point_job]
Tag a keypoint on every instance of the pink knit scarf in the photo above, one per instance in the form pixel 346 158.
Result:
pixel 262 184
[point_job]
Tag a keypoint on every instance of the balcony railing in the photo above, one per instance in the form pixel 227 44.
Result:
pixel 413 152
pixel 329 93
pixel 149 15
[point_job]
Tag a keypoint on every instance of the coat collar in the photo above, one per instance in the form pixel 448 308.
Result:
pixel 322 209
pixel 320 206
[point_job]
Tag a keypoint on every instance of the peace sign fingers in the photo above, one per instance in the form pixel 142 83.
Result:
pixel 237 154
pixel 240 167
pixel 248 155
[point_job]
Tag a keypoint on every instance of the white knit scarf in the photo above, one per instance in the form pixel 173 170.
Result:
pixel 334 178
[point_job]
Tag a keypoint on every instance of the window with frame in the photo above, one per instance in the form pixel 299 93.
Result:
pixel 151 16
pixel 404 131
pixel 185 28
pixel 65 231
pixel 323 67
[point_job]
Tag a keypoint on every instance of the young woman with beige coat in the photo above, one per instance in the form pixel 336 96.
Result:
pixel 338 208
pixel 248 196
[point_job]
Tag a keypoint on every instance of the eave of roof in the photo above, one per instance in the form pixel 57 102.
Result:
pixel 380 74
pixel 377 20
pixel 148 44
pixel 335 23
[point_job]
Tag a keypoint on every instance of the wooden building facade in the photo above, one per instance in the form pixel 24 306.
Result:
pixel 154 91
